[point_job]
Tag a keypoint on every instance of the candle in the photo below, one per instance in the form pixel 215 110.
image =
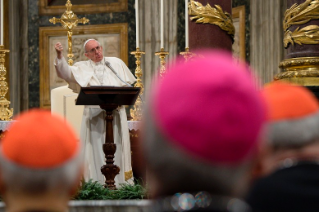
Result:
pixel 162 24
pixel 2 17
pixel 137 23
pixel 186 24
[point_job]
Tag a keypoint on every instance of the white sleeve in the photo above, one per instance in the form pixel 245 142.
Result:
pixel 128 76
pixel 63 70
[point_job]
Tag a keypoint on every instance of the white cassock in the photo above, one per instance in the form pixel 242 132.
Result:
pixel 88 73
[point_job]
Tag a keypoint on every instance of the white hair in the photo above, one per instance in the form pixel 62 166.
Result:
pixel 177 171
pixel 20 179
pixel 88 41
pixel 294 133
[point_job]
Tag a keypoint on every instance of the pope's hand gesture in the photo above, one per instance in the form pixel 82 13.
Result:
pixel 59 49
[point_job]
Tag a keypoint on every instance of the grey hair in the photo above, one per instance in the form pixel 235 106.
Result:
pixel 84 45
pixel 31 181
pixel 294 133
pixel 177 171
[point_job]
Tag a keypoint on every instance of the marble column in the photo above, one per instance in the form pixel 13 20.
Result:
pixel 18 21
pixel 209 35
pixel 266 45
pixel 149 29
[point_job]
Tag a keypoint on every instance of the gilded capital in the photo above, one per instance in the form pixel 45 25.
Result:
pixel 301 14
pixel 212 15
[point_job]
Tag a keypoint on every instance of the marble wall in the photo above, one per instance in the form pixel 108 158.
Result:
pixel 150 39
pixel 266 41
pixel 35 21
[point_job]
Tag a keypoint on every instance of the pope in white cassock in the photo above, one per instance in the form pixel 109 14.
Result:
pixel 94 72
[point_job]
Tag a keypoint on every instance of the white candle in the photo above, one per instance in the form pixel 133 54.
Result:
pixel 186 24
pixel 162 24
pixel 2 32
pixel 137 23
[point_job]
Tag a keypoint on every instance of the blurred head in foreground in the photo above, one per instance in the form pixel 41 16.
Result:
pixel 202 127
pixel 293 122
pixel 40 163
pixel 289 159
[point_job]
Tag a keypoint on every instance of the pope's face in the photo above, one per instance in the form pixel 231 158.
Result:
pixel 94 51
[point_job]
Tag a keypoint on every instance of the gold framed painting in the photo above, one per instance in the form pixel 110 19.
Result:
pixel 239 49
pixel 113 38
pixel 56 7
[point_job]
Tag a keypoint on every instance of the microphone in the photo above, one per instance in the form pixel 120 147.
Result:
pixel 107 63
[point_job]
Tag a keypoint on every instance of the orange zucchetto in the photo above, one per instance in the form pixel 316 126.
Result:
pixel 39 139
pixel 289 101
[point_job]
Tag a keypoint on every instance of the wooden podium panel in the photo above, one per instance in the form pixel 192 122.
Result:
pixel 101 95
pixel 108 98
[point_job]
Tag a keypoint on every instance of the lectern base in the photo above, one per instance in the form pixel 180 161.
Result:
pixel 109 148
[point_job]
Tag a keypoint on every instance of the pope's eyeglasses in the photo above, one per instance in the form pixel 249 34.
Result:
pixel 98 48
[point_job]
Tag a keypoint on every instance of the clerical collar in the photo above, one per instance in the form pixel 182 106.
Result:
pixel 200 201
pixel 102 62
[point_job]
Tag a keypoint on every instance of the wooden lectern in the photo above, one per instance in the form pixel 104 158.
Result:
pixel 108 98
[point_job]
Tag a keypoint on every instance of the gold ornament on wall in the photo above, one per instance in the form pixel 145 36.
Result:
pixel 212 15
pixel 69 21
pixel 5 112
pixel 306 35
pixel 301 70
pixel 301 14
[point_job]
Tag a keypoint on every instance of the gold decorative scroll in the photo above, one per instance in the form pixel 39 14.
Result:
pixel 5 112
pixel 300 67
pixel 69 21
pixel 137 110
pixel 306 35
pixel 212 15
pixel 301 14
pixel 297 74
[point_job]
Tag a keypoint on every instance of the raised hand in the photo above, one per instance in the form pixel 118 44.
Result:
pixel 59 49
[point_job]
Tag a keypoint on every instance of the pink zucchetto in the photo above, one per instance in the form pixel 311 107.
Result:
pixel 210 108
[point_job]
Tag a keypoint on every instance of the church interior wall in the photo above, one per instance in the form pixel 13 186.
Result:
pixel 35 21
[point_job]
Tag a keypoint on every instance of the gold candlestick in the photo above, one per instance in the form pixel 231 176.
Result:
pixel 187 54
pixel 162 54
pixel 69 21
pixel 136 113
pixel 5 112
